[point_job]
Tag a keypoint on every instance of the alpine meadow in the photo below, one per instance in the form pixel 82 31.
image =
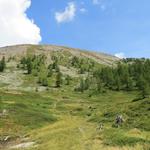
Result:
pixel 62 98
pixel 74 74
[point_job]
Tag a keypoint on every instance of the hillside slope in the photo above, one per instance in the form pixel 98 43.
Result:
pixel 21 50
pixel 61 98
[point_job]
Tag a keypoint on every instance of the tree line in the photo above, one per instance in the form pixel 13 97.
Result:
pixel 127 76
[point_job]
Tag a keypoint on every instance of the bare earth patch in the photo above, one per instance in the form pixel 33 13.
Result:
pixel 23 145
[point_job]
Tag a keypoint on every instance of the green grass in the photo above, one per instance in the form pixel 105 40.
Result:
pixel 63 119
pixel 27 111
pixel 115 137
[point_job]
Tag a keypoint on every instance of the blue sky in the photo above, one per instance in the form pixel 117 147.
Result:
pixel 112 26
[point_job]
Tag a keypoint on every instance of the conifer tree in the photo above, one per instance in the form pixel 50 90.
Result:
pixel 29 66
pixel 86 84
pixel 50 70
pixel 144 87
pixel 145 92
pixel 2 64
pixel 43 80
pixel 117 82
pixel 81 87
pixel 58 79
pixel 129 84
pixel 99 85
pixel 68 78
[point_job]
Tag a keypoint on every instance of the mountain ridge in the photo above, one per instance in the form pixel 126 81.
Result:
pixel 21 50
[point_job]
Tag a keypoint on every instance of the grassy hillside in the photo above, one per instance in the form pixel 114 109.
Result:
pixel 21 50
pixel 38 117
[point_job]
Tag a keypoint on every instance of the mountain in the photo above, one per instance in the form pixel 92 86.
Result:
pixel 21 50
pixel 60 98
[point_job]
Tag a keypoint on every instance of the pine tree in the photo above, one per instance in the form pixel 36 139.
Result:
pixel 86 84
pixel 23 62
pixel 75 61
pixel 43 80
pixel 2 64
pixel 99 85
pixel 57 69
pixel 68 78
pixel 50 70
pixel 81 87
pixel 117 82
pixel 29 66
pixel 55 63
pixel 145 91
pixel 58 79
pixel 144 87
pixel 129 84
pixel 82 70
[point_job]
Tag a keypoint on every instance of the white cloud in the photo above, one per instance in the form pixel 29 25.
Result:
pixel 96 2
pixel 101 3
pixel 120 55
pixel 15 26
pixel 67 15
pixel 83 10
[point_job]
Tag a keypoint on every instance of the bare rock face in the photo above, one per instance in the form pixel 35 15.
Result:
pixel 22 50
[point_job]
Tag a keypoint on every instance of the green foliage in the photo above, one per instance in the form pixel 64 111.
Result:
pixel 2 64
pixel 0 103
pixel 32 63
pixel 144 87
pixel 84 85
pixel 36 66
pixel 83 64
pixel 138 115
pixel 29 66
pixel 68 79
pixel 50 70
pixel 58 79
pixel 42 77
pixel 124 76
pixel 118 138
pixel 78 114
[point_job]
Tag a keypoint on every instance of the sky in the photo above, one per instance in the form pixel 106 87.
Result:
pixel 118 27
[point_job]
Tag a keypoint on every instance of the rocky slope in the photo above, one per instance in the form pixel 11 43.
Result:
pixel 21 50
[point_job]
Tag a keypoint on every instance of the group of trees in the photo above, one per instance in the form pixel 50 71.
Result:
pixel 36 65
pixel 83 64
pixel 84 85
pixel 2 64
pixel 127 75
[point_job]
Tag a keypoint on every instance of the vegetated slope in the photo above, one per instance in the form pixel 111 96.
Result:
pixel 57 98
pixel 21 50
pixel 15 78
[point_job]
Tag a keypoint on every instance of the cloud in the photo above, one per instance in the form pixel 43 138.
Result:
pixel 83 10
pixel 101 3
pixel 67 15
pixel 15 26
pixel 120 55
pixel 96 2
